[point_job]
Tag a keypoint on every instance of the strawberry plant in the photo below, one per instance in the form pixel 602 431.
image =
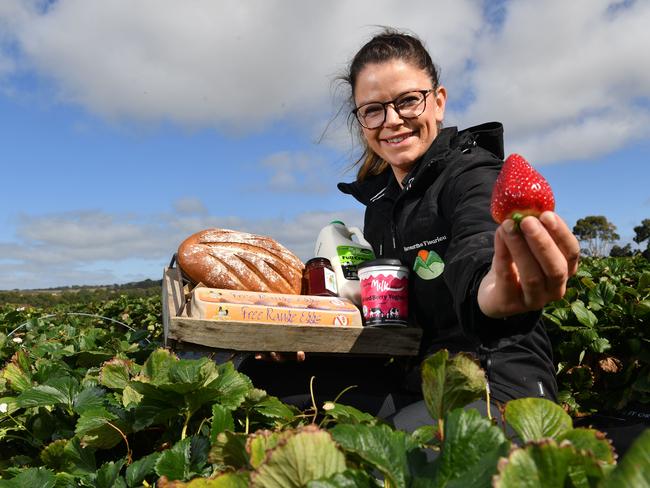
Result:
pixel 600 335
pixel 88 398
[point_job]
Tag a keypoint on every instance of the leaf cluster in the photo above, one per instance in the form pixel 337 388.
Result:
pixel 86 401
pixel 600 333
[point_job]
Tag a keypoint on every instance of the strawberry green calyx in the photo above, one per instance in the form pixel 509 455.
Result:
pixel 517 217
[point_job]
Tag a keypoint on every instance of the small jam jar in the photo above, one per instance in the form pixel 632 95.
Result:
pixel 319 278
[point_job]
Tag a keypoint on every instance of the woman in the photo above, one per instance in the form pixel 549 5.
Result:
pixel 428 188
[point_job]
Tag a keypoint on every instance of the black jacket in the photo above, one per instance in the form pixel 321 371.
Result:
pixel 442 213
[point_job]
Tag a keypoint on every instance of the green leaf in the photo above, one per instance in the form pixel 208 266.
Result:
pixel 272 408
pixel 199 450
pixel 600 345
pixel 233 386
pixel 65 480
pixel 470 450
pixel 17 372
pixel 140 469
pixel 88 358
pixel 89 398
pixel 226 480
pixel 107 474
pixel 584 316
pixel 221 421
pixel 156 367
pixel 350 478
pixel 426 434
pixel 174 463
pixel 262 441
pixel 642 308
pixel 193 372
pixel 644 282
pixel 542 464
pixel 344 414
pixel 115 373
pixel 382 448
pixel 634 469
pixel 229 449
pixel 31 478
pixel 591 441
pixel 98 428
pixel 588 282
pixel 130 397
pixel 42 396
pixel 82 458
pixel 450 383
pixel 309 454
pixel 536 418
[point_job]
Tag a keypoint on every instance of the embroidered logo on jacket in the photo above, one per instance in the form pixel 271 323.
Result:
pixel 428 265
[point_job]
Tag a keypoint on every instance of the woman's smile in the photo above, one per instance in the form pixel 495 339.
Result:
pixel 400 139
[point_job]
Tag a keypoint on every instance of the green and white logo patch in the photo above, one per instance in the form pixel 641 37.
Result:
pixel 428 265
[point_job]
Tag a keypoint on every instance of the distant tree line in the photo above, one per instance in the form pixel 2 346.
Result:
pixel 78 294
pixel 597 235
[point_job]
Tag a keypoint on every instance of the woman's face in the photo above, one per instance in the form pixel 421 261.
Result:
pixel 400 142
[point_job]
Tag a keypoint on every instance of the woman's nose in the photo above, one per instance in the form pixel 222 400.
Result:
pixel 392 116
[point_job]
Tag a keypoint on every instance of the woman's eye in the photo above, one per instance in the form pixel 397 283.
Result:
pixel 372 110
pixel 408 101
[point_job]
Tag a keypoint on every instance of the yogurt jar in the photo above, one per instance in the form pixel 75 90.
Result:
pixel 384 292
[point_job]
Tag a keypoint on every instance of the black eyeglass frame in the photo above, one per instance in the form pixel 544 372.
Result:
pixel 384 105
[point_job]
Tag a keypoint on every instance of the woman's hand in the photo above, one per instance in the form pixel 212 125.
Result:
pixel 280 357
pixel 530 267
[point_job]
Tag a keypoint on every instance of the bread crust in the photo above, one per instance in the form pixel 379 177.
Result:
pixel 234 260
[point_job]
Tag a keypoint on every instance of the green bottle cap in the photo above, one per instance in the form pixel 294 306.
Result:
pixel 336 222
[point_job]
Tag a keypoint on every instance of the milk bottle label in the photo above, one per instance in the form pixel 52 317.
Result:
pixel 330 280
pixel 350 258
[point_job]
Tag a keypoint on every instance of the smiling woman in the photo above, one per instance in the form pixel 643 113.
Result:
pixel 427 195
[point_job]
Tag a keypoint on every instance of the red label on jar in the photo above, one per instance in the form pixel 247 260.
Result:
pixel 384 296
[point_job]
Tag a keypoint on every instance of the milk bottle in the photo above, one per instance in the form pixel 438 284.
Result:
pixel 335 242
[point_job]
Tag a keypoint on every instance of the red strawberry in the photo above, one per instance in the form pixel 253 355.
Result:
pixel 520 191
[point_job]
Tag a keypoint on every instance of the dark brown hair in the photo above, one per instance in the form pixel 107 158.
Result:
pixel 388 45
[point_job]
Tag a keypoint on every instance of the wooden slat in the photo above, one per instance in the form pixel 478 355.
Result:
pixel 240 336
pixel 172 299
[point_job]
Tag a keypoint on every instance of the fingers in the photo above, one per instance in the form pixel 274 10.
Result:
pixel 280 357
pixel 532 280
pixel 545 253
pixel 564 239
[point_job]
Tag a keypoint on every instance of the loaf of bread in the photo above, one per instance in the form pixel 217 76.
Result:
pixel 233 260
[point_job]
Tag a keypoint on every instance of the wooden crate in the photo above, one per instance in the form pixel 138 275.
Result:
pixel 180 329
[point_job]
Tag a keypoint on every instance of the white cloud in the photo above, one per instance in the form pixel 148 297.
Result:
pixel 231 64
pixel 190 206
pixel 296 172
pixel 240 66
pixel 576 67
pixel 94 247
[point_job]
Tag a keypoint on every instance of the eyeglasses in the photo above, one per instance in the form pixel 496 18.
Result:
pixel 408 105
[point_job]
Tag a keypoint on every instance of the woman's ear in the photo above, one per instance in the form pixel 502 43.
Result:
pixel 440 99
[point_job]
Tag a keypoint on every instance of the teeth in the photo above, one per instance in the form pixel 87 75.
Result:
pixel 397 139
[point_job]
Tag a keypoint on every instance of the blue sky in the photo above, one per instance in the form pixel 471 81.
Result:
pixel 127 126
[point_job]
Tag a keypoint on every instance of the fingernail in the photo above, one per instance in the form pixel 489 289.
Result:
pixel 532 226
pixel 509 226
pixel 548 219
